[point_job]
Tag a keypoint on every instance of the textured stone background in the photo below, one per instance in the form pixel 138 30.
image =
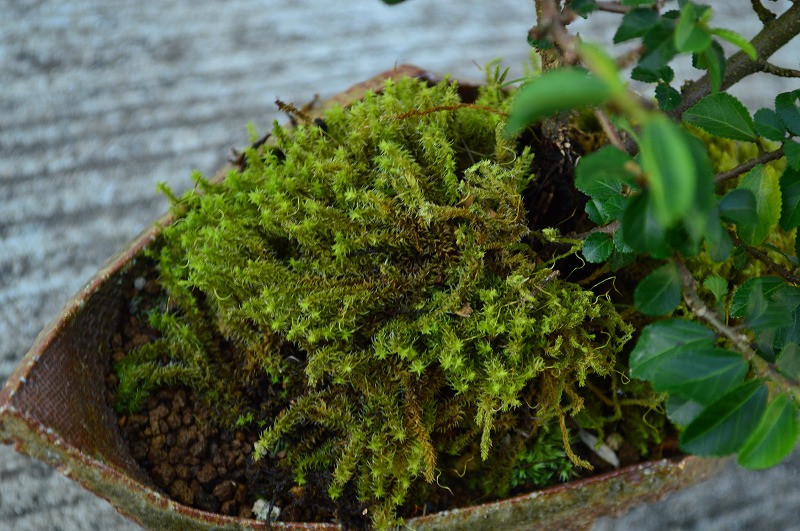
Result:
pixel 99 101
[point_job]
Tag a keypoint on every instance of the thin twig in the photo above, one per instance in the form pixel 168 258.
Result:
pixel 749 165
pixel 767 261
pixel 610 130
pixel 611 228
pixel 775 70
pixel 613 7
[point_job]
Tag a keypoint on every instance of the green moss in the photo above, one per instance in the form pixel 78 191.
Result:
pixel 378 264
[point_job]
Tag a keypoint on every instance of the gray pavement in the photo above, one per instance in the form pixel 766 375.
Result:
pixel 99 101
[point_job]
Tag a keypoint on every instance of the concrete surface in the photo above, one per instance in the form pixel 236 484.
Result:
pixel 99 101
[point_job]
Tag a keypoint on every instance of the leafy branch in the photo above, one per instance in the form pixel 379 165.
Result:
pixel 662 205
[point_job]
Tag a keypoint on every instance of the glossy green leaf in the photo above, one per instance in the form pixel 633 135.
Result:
pixel 597 213
pixel 726 425
pixel 682 411
pixel 767 285
pixel 659 48
pixel 788 361
pixel 722 115
pixel 690 36
pixel 717 285
pixel 763 181
pixel 765 313
pixel 637 2
pixel 769 125
pixel 790 199
pixel 774 438
pixel 668 98
pixel 737 40
pixel 597 247
pixel 712 59
pixel 668 162
pixel 787 105
pixel 555 91
pixel 792 151
pixel 640 230
pixel 602 174
pixel 702 375
pixel 664 74
pixel 662 340
pixel 636 23
pixel 739 206
pixel 659 292
pixel 620 259
pixel 620 245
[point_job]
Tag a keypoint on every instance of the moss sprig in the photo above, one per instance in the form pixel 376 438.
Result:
pixel 386 254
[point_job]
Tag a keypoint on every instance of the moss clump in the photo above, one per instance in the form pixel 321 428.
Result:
pixel 377 262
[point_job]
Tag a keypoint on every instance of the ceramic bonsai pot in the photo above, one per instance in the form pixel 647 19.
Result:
pixel 54 408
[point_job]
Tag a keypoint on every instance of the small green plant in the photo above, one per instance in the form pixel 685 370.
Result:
pixel 379 263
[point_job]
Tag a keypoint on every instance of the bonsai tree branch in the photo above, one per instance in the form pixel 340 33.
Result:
pixel 774 35
pixel 775 70
pixel 613 7
pixel 740 342
pixel 764 14
pixel 767 261
pixel 749 165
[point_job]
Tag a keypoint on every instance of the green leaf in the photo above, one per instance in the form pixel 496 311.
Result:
pixel 769 125
pixel 668 98
pixel 702 375
pixel 662 340
pixel 791 149
pixel 640 230
pixel 637 2
pixel 620 259
pixel 717 285
pixel 790 199
pixel 719 241
pixel 668 162
pixel 660 292
pixel 583 7
pixel 659 49
pixel 722 115
pixel 597 213
pixel 763 181
pixel 726 425
pixel 739 206
pixel 774 438
pixel 602 174
pixel 664 74
pixel 737 40
pixel 597 247
pixel 764 312
pixel 712 59
pixel 767 285
pixel 689 35
pixel 636 23
pixel 788 108
pixel 682 411
pixel 788 361
pixel 555 91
